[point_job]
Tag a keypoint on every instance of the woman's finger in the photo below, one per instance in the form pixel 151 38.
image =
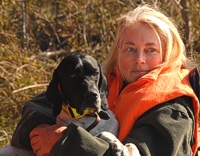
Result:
pixel 34 141
pixel 37 130
pixel 36 148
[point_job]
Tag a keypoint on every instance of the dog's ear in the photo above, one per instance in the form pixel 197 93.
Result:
pixel 103 88
pixel 53 94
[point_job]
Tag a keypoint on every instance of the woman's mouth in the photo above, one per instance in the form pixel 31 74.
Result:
pixel 140 72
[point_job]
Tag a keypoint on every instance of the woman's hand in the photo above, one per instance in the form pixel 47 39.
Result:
pixel 43 137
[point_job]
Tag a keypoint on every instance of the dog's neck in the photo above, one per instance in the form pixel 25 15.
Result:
pixel 86 122
pixel 73 113
pixel 69 114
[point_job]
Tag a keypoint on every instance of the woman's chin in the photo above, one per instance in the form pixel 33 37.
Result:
pixel 134 77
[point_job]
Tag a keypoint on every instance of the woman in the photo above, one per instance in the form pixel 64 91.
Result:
pixel 149 92
pixel 149 87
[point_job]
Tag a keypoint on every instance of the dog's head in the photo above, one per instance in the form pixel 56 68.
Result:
pixel 78 81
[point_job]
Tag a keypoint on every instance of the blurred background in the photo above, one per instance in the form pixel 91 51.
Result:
pixel 36 34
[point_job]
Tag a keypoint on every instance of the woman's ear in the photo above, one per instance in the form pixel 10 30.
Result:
pixel 103 89
pixel 53 93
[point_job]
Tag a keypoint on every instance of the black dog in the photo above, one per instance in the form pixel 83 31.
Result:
pixel 80 84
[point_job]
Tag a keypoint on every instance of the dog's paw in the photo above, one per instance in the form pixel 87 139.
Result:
pixel 118 149
pixel 132 149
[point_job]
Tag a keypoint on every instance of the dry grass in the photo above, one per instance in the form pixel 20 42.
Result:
pixel 20 79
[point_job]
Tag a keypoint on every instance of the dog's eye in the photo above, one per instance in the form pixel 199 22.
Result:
pixel 73 75
pixel 95 74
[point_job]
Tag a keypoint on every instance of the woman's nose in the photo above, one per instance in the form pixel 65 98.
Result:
pixel 140 58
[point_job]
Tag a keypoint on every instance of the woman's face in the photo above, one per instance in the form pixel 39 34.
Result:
pixel 139 53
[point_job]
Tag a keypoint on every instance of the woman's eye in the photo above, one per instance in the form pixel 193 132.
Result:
pixel 131 49
pixel 151 50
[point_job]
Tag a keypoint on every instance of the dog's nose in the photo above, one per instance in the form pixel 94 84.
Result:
pixel 91 101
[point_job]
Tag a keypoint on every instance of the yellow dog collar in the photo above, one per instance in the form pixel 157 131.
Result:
pixel 73 113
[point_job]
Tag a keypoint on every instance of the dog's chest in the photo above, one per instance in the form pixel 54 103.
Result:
pixel 110 125
pixel 66 119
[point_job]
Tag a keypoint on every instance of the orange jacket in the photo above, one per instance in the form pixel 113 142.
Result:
pixel 157 87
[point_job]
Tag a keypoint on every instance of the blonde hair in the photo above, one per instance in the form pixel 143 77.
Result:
pixel 163 26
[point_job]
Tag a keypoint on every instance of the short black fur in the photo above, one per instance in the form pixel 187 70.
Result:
pixel 82 84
